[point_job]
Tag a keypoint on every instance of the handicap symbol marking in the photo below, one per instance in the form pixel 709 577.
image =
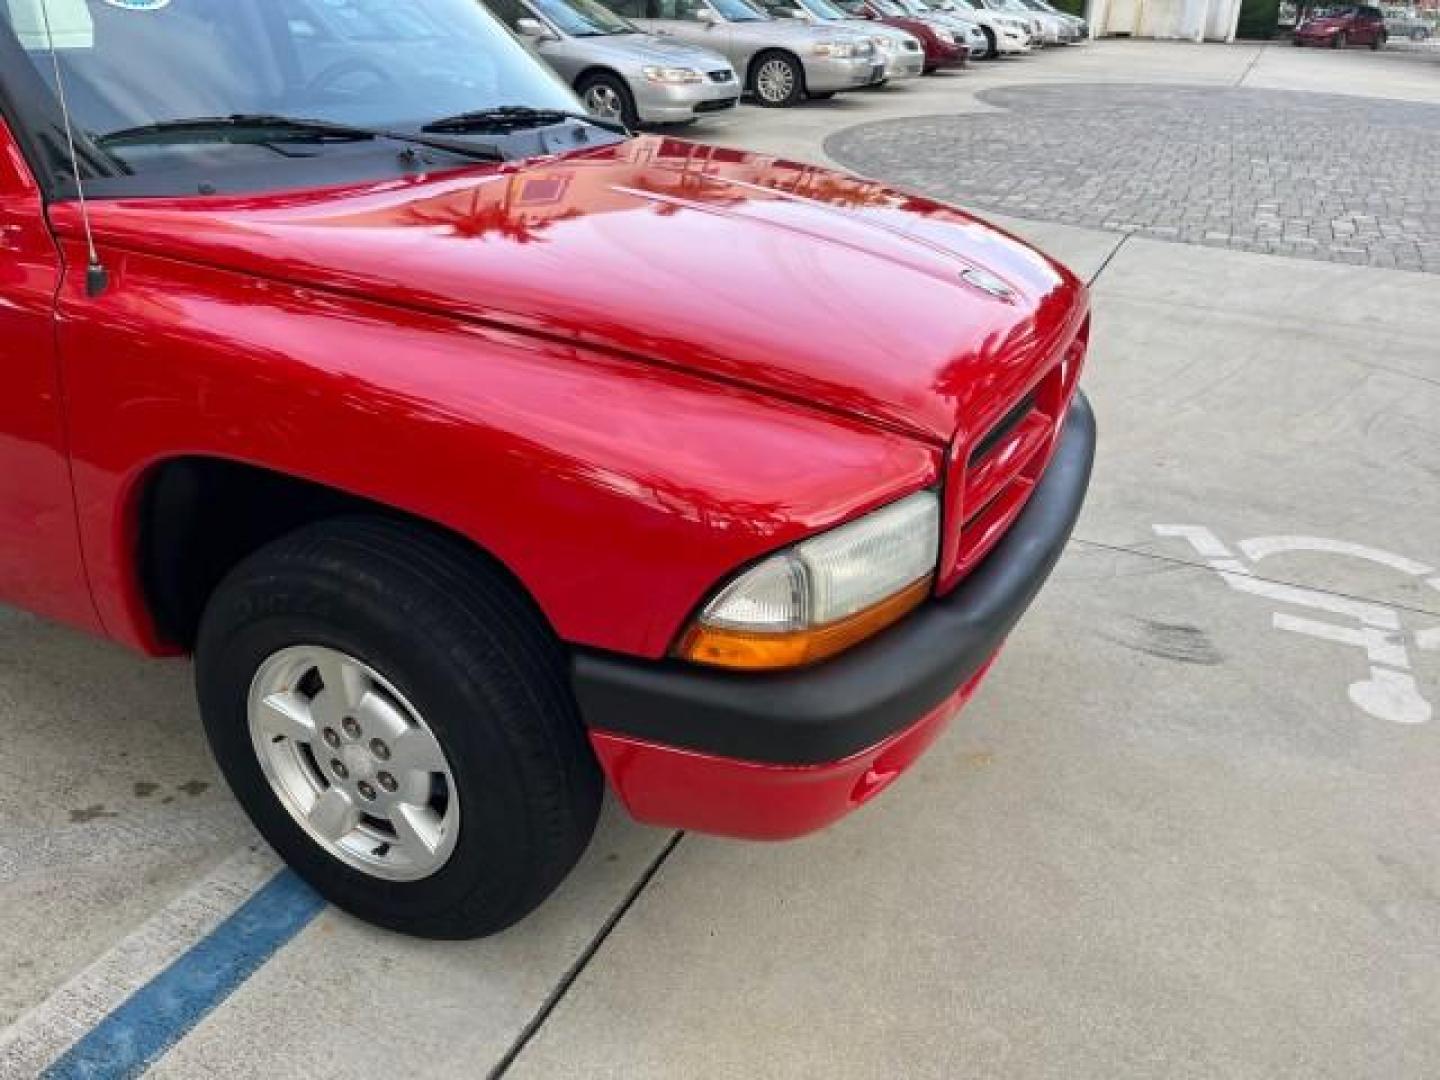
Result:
pixel 1391 692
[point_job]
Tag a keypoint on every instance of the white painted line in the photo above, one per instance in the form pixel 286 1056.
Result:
pixel 1367 613
pixel 1206 544
pixel 1262 546
pixel 1391 695
pixel 53 1026
pixel 1379 646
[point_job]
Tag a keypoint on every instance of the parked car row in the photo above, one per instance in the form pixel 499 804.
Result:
pixel 671 61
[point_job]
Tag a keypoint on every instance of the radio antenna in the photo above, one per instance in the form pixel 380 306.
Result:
pixel 97 278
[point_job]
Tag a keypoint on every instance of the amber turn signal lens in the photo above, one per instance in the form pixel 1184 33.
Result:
pixel 752 651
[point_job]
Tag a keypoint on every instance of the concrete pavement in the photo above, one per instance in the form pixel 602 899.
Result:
pixel 1188 827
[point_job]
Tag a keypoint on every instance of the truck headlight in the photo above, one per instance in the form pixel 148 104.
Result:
pixel 672 75
pixel 823 595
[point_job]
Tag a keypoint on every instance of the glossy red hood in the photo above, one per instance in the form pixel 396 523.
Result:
pixel 784 277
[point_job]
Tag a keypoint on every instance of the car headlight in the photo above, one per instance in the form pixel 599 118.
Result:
pixel 945 35
pixel 842 50
pixel 823 595
pixel 672 75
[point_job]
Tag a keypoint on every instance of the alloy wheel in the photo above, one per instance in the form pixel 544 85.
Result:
pixel 601 100
pixel 353 763
pixel 775 81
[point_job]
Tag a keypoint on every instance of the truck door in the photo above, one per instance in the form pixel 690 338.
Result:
pixel 40 565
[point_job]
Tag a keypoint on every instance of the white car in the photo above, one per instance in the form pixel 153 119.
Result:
pixel 1006 34
pixel 1033 22
pixel 1058 28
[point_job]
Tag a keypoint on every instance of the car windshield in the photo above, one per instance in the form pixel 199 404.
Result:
pixel 738 11
pixel 889 7
pixel 376 64
pixel 583 18
pixel 823 9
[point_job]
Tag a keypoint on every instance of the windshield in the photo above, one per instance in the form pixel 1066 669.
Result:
pixel 889 8
pixel 824 9
pixel 391 64
pixel 583 18
pixel 737 11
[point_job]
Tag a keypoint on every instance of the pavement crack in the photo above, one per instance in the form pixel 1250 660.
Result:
pixel 1251 66
pixel 562 988
pixel 1194 565
pixel 1124 239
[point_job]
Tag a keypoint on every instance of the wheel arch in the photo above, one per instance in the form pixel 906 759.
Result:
pixel 599 69
pixel 192 519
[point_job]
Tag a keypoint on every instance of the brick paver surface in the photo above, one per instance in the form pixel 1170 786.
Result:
pixel 1316 176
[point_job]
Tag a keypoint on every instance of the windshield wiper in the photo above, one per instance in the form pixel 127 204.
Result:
pixel 294 126
pixel 515 118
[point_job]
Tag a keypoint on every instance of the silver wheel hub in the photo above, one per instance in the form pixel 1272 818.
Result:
pixel 353 763
pixel 603 101
pixel 775 80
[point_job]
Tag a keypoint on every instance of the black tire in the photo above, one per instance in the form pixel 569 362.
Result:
pixel 616 86
pixel 831 93
pixel 1378 43
pixel 1340 40
pixel 796 84
pixel 465 646
pixel 993 52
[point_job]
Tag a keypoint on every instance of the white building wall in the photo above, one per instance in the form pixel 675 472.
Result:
pixel 1166 20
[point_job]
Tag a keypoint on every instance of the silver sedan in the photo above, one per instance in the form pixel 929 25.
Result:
pixel 902 52
pixel 781 60
pixel 619 71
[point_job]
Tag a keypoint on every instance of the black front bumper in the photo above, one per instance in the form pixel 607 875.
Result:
pixel 827 712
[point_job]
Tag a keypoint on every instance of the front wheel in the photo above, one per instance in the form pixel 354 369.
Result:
pixel 992 46
pixel 606 96
pixel 1378 43
pixel 1339 41
pixel 777 80
pixel 395 716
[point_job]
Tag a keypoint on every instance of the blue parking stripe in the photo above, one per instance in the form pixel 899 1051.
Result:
pixel 160 1013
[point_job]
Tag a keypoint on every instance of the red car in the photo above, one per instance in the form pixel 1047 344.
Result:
pixel 1343 26
pixel 479 453
pixel 943 50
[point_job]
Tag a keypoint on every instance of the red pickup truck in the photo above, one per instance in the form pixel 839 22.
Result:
pixel 480 453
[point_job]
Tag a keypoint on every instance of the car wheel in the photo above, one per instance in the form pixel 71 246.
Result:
pixel 992 50
pixel 396 718
pixel 606 96
pixel 1339 41
pixel 1378 43
pixel 777 80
